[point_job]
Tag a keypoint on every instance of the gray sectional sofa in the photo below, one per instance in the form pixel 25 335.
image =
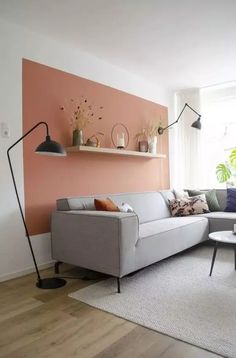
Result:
pixel 118 243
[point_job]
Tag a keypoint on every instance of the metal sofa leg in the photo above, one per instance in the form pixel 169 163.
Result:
pixel 56 266
pixel 213 258
pixel 118 284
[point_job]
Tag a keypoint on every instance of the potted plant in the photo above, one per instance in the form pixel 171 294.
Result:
pixel 226 172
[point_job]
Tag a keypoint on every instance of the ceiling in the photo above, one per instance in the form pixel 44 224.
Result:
pixel 176 44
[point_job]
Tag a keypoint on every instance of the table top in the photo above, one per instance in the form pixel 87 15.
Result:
pixel 223 236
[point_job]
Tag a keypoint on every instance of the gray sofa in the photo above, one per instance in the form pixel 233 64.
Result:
pixel 117 243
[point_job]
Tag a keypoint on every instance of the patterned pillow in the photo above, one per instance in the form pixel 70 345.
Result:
pixel 211 198
pixel 190 206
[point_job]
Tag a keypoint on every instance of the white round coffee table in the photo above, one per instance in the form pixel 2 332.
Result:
pixel 226 237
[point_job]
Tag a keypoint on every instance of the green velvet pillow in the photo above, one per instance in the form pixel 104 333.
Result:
pixel 211 198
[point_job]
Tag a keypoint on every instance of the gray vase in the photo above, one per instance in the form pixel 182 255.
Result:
pixel 77 137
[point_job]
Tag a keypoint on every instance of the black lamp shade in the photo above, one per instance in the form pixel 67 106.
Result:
pixel 50 147
pixel 197 124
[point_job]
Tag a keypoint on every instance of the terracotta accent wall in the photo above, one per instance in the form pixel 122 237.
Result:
pixel 49 178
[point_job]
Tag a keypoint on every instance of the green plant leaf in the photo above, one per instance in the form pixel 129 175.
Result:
pixel 222 173
pixel 232 158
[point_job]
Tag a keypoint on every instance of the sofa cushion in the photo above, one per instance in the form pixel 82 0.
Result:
pixel 221 197
pixel 167 195
pixel 148 206
pixel 165 225
pixel 220 215
pixel 220 220
pixel 189 206
pixel 125 208
pixel 166 237
pixel 105 205
pixel 180 194
pixel 231 200
pixel 211 198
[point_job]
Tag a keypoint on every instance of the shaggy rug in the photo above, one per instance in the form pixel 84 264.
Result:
pixel 178 298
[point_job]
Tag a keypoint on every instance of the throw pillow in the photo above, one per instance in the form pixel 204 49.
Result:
pixel 180 194
pixel 231 200
pixel 211 198
pixel 126 208
pixel 105 205
pixel 191 206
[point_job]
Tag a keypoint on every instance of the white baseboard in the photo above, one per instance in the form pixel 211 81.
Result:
pixel 26 271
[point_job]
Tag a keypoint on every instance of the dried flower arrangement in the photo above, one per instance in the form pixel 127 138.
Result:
pixel 150 131
pixel 81 113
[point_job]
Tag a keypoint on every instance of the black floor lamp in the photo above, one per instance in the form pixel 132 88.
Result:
pixel 48 147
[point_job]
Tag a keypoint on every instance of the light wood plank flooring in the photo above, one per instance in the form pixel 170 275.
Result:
pixel 47 323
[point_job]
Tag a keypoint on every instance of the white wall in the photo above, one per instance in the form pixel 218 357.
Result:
pixel 17 43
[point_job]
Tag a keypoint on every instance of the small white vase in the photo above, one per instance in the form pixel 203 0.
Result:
pixel 152 145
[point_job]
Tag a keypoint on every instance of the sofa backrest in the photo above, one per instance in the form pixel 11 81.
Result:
pixel 222 198
pixel 148 206
pixel 221 195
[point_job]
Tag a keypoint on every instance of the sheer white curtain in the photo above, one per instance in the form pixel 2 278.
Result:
pixel 187 154
pixel 218 134
pixel 195 153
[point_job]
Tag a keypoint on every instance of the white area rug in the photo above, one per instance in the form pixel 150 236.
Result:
pixel 178 298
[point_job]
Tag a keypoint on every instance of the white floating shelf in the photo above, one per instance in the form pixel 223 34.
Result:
pixel 83 148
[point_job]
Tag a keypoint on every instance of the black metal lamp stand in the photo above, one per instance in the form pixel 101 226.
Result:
pixel 48 147
pixel 196 124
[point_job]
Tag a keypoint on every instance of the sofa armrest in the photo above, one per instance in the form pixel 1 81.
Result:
pixel 98 240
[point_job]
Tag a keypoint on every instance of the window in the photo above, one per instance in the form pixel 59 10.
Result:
pixel 218 135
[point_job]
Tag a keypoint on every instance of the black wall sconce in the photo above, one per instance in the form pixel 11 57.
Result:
pixel 196 124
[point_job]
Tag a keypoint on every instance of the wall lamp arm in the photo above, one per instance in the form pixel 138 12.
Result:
pixel 196 124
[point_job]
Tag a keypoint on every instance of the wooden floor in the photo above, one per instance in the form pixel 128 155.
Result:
pixel 47 323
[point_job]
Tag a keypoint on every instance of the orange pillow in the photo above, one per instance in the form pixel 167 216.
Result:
pixel 105 205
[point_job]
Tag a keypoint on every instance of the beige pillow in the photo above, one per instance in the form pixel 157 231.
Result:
pixel 189 206
pixel 181 194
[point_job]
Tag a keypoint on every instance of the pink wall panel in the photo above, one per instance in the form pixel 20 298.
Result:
pixel 49 178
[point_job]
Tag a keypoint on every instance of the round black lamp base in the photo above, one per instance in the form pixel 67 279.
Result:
pixel 50 283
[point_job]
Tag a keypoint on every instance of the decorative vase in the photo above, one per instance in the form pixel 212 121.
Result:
pixel 143 146
pixel 152 145
pixel 77 137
